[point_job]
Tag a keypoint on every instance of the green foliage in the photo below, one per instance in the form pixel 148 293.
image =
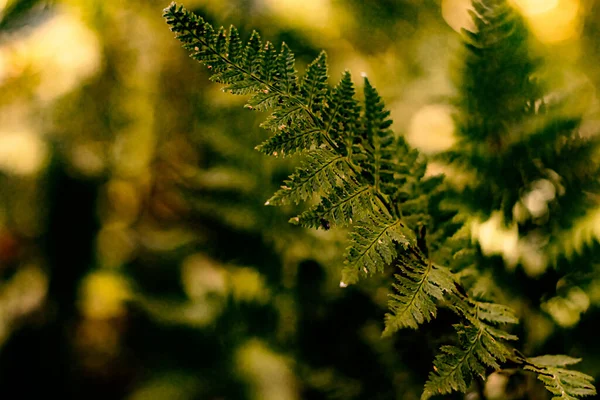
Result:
pixel 318 174
pixel 563 383
pixel 352 159
pixel 357 173
pixel 480 346
pixel 514 132
pixel 497 62
pixel 373 244
pixel 418 285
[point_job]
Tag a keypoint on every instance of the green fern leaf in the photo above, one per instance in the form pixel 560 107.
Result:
pixel 495 313
pixel 221 43
pixel 251 60
pixel 336 117
pixel 265 100
pixel 481 346
pixel 288 79
pixel 268 70
pixel 378 145
pixel 418 285
pixel 373 245
pixel 347 202
pixel 320 174
pixel 549 360
pixel 314 87
pixel 292 140
pixel 284 118
pixel 235 50
pixel 563 383
pixel 367 177
pixel 354 161
pixel 342 115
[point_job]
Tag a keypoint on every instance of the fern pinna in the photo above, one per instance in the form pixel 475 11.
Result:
pixel 363 177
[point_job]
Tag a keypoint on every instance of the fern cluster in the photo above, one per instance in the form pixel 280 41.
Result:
pixel 356 173
pixel 521 141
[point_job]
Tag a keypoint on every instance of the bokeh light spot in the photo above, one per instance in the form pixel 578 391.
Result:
pixel 456 14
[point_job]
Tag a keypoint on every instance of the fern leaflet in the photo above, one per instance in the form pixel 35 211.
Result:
pixel 372 245
pixel 565 384
pixel 418 285
pixel 351 200
pixel 320 173
pixel 481 346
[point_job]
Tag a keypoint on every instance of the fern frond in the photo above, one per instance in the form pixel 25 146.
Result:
pixel 314 87
pixel 347 202
pixel 352 155
pixel 373 243
pixel 481 346
pixel 251 59
pixel 362 172
pixel 342 116
pixel 511 131
pixel 338 110
pixel 320 173
pixel 376 139
pixel 264 100
pixel 497 78
pixel 418 285
pixel 286 68
pixel 257 70
pixel 563 383
pixel 284 118
pixel 290 141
